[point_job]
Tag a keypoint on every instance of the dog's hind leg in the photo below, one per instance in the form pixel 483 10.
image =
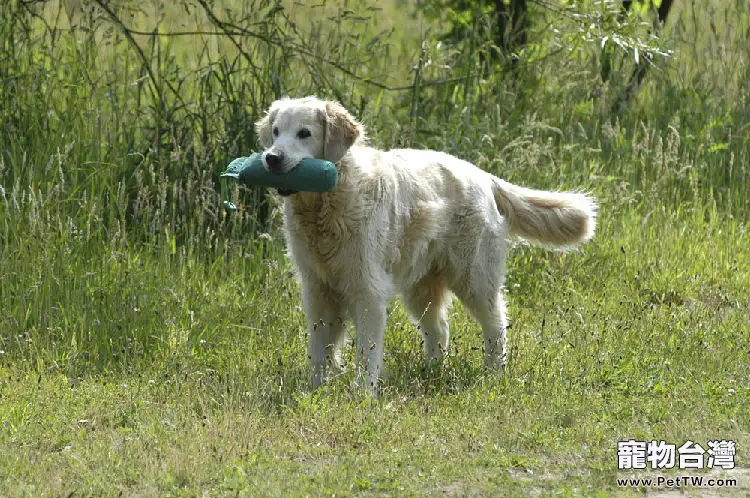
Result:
pixel 428 301
pixel 489 310
pixel 481 292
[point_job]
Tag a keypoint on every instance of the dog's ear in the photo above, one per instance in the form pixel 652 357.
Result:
pixel 263 127
pixel 342 130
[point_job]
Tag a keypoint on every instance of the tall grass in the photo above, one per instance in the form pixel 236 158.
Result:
pixel 111 145
pixel 114 124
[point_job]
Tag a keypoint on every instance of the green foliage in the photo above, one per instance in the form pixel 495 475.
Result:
pixel 151 345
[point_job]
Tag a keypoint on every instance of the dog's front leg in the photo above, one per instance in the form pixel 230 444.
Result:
pixel 326 327
pixel 370 322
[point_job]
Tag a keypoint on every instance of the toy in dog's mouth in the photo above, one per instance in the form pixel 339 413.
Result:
pixel 310 175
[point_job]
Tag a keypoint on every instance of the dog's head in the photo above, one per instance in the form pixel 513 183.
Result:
pixel 296 129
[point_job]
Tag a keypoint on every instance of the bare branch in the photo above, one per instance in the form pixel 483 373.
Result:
pixel 238 31
pixel 126 32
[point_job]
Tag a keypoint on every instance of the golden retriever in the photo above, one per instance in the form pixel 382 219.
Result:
pixel 419 223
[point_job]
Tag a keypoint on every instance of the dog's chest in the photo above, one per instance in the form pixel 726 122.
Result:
pixel 323 233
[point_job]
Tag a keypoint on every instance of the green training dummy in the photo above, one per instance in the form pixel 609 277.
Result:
pixel 310 175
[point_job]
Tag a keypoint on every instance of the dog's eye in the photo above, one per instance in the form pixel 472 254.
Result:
pixel 303 133
pixel 275 132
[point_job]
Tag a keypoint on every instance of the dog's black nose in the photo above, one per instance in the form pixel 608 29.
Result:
pixel 274 161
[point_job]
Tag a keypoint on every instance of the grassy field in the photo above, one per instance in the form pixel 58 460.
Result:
pixel 152 345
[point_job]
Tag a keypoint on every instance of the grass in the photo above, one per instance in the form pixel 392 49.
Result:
pixel 152 346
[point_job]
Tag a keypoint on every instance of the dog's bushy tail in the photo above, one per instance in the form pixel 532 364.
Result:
pixel 550 219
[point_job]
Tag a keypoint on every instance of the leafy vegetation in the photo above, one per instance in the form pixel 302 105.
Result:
pixel 152 345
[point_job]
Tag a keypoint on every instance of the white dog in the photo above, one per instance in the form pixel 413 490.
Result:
pixel 423 224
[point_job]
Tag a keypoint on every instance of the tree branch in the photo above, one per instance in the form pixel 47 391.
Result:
pixel 127 33
pixel 298 48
